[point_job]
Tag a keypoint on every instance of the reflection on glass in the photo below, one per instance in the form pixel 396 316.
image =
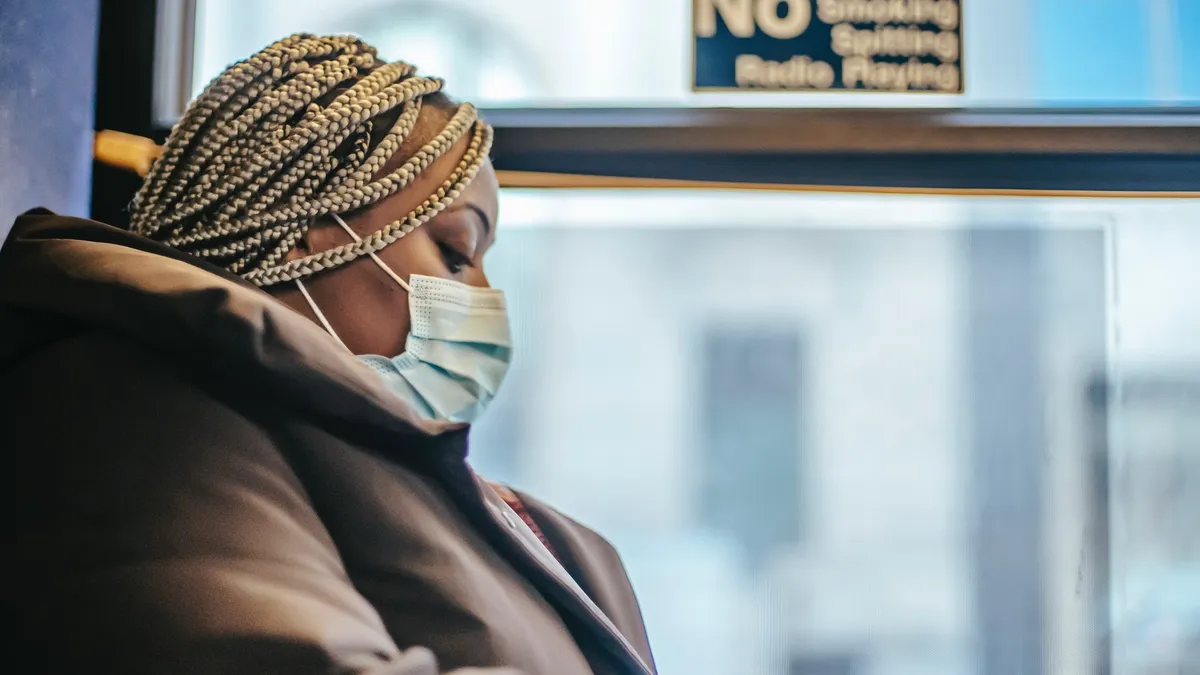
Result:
pixel 867 435
pixel 638 52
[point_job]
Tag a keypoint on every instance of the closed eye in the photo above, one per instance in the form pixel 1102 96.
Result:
pixel 454 259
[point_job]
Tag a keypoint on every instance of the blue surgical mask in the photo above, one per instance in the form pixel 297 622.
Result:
pixel 458 349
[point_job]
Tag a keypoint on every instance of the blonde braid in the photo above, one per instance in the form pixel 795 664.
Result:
pixel 226 95
pixel 256 159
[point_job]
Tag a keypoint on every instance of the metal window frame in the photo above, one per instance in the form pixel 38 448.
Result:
pixel 1110 150
pixel 174 59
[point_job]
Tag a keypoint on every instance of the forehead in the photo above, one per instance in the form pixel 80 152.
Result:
pixel 481 192
pixel 484 190
pixel 431 121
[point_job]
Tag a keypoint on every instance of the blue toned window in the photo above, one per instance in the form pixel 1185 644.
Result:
pixel 750 422
pixel 856 434
pixel 634 53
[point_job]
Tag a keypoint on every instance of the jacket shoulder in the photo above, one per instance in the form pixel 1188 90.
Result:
pixel 162 529
pixel 96 383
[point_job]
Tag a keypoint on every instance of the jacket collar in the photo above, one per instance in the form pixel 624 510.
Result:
pixel 556 582
pixel 198 315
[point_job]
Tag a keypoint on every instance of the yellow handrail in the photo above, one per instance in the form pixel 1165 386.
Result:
pixel 125 151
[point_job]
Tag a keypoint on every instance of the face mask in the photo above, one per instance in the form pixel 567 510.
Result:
pixel 457 351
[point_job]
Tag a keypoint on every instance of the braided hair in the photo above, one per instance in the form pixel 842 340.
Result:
pixel 260 156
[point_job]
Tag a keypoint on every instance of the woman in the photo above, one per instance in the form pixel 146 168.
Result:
pixel 227 480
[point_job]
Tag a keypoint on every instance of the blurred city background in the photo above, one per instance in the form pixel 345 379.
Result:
pixel 843 434
pixel 638 52
pixel 866 434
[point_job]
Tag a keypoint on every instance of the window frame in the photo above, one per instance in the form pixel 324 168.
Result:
pixel 1108 150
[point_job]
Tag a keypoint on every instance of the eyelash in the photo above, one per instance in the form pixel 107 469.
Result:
pixel 454 260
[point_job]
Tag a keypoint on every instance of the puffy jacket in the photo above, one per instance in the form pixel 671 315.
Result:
pixel 204 482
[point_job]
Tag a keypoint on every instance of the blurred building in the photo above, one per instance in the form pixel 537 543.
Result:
pixel 778 419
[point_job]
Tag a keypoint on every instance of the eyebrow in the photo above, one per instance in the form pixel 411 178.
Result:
pixel 483 217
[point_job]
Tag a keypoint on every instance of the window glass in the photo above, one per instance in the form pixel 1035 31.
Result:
pixel 867 434
pixel 639 52
pixel 749 434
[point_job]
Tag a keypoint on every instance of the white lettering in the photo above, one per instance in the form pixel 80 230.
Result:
pixel 854 71
pixel 843 39
pixel 737 15
pixel 949 77
pixel 799 72
pixel 943 13
pixel 821 75
pixel 946 16
pixel 829 12
pixel 947 46
pixel 795 22
pixel 860 71
pixel 893 41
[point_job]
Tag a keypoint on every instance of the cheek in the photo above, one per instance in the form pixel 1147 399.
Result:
pixel 403 327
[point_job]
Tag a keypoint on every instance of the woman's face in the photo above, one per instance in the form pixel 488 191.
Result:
pixel 365 306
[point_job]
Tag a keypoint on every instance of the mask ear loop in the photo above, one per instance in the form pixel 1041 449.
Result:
pixel 312 303
pixel 354 235
pixel 320 315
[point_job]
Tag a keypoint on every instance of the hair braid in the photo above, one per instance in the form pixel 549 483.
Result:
pixel 235 88
pixel 257 158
